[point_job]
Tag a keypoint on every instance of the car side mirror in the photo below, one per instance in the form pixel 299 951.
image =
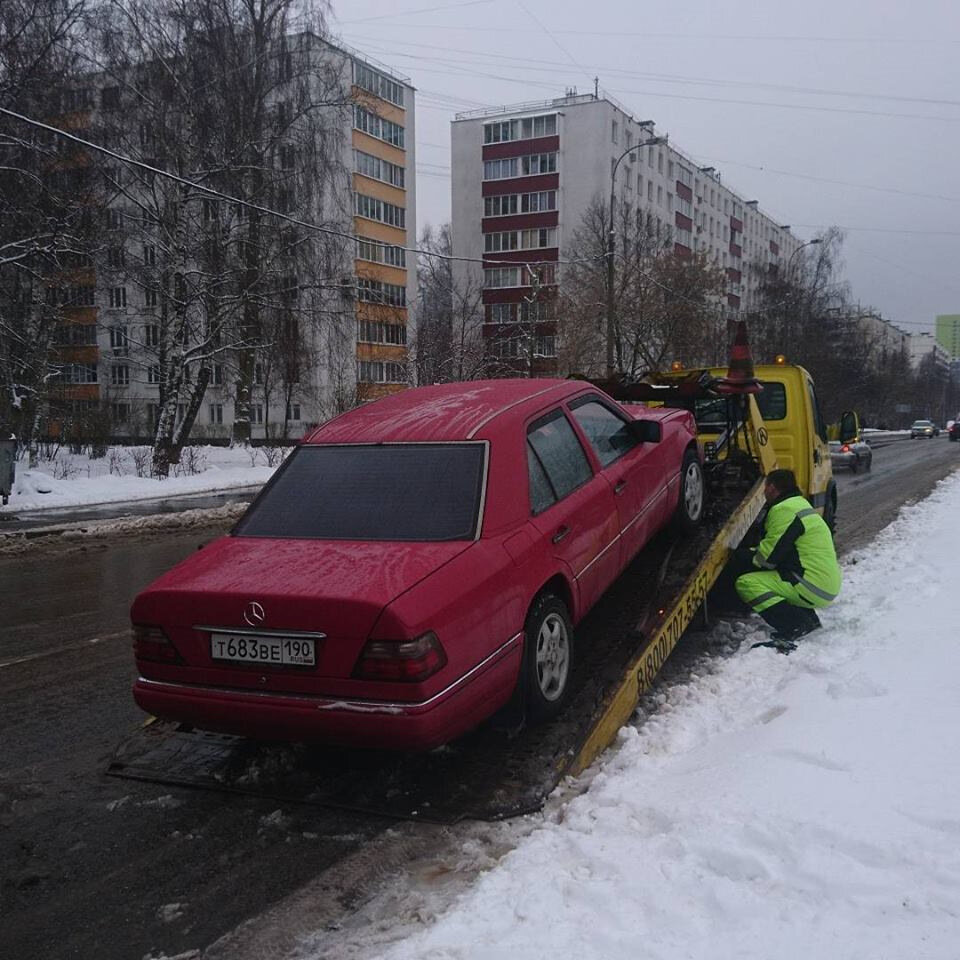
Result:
pixel 647 431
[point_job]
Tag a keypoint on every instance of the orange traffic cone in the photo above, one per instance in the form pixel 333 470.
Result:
pixel 739 378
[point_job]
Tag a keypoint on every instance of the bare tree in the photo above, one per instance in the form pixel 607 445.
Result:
pixel 449 342
pixel 238 97
pixel 664 303
pixel 43 212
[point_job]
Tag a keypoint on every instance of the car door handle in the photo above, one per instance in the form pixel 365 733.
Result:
pixel 560 534
pixel 816 454
pixel 620 487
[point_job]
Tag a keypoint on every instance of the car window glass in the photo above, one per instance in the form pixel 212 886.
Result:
pixel 772 401
pixel 559 452
pixel 372 492
pixel 541 493
pixel 819 423
pixel 609 436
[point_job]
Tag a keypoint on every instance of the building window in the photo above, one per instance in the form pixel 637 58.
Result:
pixel 374 126
pixel 119 375
pixel 375 371
pixel 121 413
pixel 495 277
pixel 151 335
pixel 113 219
pixel 500 131
pixel 119 341
pixel 501 206
pixel 118 297
pixel 373 209
pixel 115 257
pixel 615 132
pixel 256 413
pixel 216 413
pixel 293 412
pixel 150 296
pixel 153 373
pixel 376 83
pixel 501 313
pixel 537 163
pixel 375 291
pixel 506 348
pixel 538 202
pixel 501 169
pixel 79 373
pixel 149 255
pixel 371 331
pixel 545 345
pixel 376 168
pixel 216 375
pixel 376 251
pixel 258 374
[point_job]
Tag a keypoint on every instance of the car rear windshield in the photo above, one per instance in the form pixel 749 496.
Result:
pixel 375 492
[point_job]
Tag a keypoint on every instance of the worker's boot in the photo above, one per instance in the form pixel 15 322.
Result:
pixel 789 624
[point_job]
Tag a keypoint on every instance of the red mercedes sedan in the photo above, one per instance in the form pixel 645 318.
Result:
pixel 413 562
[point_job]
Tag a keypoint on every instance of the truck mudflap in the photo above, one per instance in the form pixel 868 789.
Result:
pixel 502 769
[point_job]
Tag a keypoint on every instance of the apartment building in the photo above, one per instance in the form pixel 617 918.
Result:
pixel 524 175
pixel 948 334
pixel 109 343
pixel 924 346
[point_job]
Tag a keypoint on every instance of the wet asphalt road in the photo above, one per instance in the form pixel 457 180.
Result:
pixel 94 867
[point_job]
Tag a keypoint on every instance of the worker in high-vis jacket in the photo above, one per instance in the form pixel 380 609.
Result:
pixel 796 569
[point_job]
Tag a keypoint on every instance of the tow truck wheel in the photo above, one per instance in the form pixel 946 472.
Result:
pixel 692 494
pixel 547 657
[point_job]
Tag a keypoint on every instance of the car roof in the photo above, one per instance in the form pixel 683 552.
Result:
pixel 444 412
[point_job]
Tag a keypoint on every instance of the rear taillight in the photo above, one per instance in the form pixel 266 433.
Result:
pixel 151 643
pixel 845 448
pixel 405 660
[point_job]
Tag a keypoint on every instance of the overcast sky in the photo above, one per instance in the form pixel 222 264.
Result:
pixel 841 112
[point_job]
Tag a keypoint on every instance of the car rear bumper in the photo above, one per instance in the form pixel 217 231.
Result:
pixel 392 725
pixel 843 459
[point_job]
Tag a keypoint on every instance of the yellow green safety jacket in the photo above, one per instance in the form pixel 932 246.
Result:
pixel 797 543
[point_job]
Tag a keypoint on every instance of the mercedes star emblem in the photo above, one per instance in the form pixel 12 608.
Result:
pixel 253 613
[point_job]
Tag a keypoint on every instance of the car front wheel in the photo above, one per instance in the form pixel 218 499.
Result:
pixel 548 657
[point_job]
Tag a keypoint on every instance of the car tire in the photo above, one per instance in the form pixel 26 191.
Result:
pixel 693 493
pixel 830 510
pixel 547 658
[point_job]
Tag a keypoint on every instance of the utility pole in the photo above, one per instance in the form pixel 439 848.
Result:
pixel 611 245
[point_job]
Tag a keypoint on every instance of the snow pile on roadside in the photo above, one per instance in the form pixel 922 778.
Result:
pixel 788 807
pixel 71 480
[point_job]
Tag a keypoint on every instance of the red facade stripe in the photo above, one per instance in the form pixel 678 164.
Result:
pixel 684 191
pixel 544 181
pixel 683 222
pixel 514 294
pixel 520 148
pixel 520 221
pixel 736 224
pixel 547 255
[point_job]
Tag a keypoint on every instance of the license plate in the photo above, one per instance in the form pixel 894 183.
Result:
pixel 283 651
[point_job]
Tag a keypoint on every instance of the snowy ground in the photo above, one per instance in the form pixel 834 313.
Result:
pixel 771 807
pixel 68 480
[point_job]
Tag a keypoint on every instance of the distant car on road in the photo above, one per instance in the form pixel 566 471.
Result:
pixel 856 455
pixel 923 428
pixel 954 431
pixel 414 563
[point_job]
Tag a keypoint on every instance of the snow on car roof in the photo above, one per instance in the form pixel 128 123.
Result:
pixel 444 412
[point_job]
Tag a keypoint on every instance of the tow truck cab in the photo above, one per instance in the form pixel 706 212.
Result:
pixel 792 424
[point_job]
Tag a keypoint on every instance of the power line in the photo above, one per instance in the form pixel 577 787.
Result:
pixel 458 69
pixel 410 13
pixel 329 231
pixel 524 62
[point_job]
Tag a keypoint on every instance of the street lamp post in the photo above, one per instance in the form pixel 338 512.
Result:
pixel 611 244
pixel 786 276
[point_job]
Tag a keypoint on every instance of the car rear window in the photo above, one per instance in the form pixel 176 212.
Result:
pixel 372 492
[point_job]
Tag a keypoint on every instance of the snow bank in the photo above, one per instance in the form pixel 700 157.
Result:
pixel 772 807
pixel 70 480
